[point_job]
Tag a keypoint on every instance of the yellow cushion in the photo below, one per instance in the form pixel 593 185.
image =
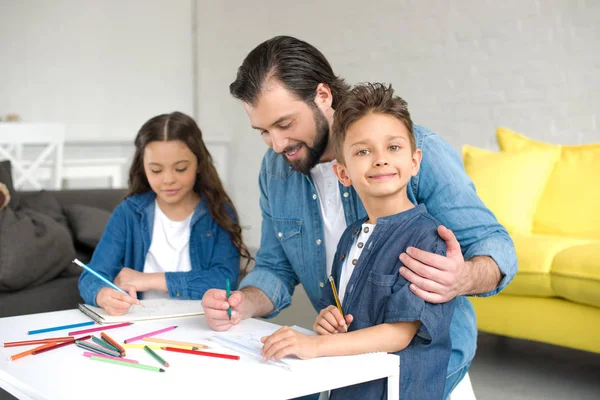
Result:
pixel 569 204
pixel 535 254
pixel 576 274
pixel 510 184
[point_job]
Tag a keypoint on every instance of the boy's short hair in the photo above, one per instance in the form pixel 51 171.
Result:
pixel 363 99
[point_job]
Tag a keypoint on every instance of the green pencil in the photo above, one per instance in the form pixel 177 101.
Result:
pixel 127 364
pixel 156 356
pixel 102 343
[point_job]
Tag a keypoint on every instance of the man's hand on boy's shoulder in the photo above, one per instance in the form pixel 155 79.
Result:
pixel 433 277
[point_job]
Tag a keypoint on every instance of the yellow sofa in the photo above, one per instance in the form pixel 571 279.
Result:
pixel 548 197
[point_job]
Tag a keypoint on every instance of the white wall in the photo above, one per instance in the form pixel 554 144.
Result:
pixel 465 67
pixel 101 67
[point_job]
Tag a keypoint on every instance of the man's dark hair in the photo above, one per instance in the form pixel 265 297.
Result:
pixel 299 66
pixel 362 100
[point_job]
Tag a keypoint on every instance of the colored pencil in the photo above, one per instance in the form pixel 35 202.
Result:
pixel 155 346
pixel 156 356
pixel 30 352
pixel 136 338
pixel 104 344
pixel 58 328
pixel 202 353
pixel 195 346
pixel 100 328
pixel 127 364
pixel 113 343
pixel 97 275
pixel 228 290
pixel 88 354
pixel 335 296
pixel 39 341
pixel 96 349
pixel 59 345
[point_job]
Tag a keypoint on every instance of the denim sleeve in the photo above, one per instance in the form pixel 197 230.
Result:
pixel 273 273
pixel 108 256
pixel 450 197
pixel 225 264
pixel 404 305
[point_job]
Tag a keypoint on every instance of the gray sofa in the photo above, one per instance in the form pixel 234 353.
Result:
pixel 87 210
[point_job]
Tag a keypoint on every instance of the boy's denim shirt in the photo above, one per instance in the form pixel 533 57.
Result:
pixel 127 239
pixel 292 247
pixel 377 294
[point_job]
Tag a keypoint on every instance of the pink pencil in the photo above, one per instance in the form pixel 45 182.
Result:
pixel 133 339
pixel 88 354
pixel 101 328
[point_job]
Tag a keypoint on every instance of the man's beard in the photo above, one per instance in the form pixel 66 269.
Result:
pixel 313 154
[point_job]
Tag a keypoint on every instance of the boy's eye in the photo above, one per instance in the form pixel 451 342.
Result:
pixel 394 147
pixel 362 152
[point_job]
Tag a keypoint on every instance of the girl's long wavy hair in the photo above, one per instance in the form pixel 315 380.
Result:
pixel 178 126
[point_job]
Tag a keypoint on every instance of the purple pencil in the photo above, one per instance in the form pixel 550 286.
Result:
pixel 133 339
pixel 88 354
pixel 100 328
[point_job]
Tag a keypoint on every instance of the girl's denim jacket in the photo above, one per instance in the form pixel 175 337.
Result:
pixel 127 239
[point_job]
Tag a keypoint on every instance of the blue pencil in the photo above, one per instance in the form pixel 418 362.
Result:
pixel 97 275
pixel 58 328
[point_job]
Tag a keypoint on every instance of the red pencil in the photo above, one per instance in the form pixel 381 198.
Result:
pixel 38 341
pixel 201 353
pixel 58 345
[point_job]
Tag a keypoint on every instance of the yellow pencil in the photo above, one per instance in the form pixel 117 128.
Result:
pixel 335 296
pixel 175 342
pixel 154 346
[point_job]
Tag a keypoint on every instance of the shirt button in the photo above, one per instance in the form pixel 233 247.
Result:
pixel 360 245
pixel 314 196
pixel 177 294
pixel 342 256
pixel 366 230
pixel 346 194
pixel 354 261
pixel 319 242
pixel 321 284
pixel 280 235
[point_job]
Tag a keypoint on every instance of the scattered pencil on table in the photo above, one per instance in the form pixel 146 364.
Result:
pixel 228 290
pixel 30 352
pixel 113 343
pixel 58 346
pixel 154 333
pixel 39 341
pixel 100 328
pixel 58 328
pixel 126 363
pixel 202 353
pixel 156 346
pixel 96 349
pixel 158 358
pixel 90 354
pixel 104 344
pixel 194 346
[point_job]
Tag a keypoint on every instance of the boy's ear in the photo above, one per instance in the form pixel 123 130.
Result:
pixel 416 161
pixel 341 173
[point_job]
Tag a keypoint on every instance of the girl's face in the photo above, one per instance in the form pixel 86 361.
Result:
pixel 171 171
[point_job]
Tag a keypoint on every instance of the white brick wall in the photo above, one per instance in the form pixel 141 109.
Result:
pixel 464 66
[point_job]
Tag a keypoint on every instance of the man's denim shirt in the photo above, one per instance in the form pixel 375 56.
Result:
pixel 126 241
pixel 292 248
pixel 377 294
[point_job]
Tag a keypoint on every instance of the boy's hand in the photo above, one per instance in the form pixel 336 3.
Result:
pixel 330 321
pixel 133 278
pixel 115 302
pixel 286 341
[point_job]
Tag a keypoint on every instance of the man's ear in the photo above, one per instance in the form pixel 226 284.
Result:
pixel 323 97
pixel 416 161
pixel 342 174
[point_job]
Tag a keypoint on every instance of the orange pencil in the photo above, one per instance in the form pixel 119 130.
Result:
pixel 39 341
pixel 29 352
pixel 113 343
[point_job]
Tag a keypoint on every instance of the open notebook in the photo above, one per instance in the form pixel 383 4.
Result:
pixel 152 309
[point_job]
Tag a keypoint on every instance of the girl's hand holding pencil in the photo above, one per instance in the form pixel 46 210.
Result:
pixel 330 320
pixel 116 303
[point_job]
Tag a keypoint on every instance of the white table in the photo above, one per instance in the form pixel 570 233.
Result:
pixel 64 373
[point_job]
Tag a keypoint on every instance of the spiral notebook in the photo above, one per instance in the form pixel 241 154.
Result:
pixel 152 309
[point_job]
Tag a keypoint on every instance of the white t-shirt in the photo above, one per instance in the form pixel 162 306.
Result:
pixel 332 211
pixel 352 259
pixel 170 248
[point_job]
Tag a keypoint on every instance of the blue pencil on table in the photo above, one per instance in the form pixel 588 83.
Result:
pixel 58 328
pixel 97 275
pixel 228 289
